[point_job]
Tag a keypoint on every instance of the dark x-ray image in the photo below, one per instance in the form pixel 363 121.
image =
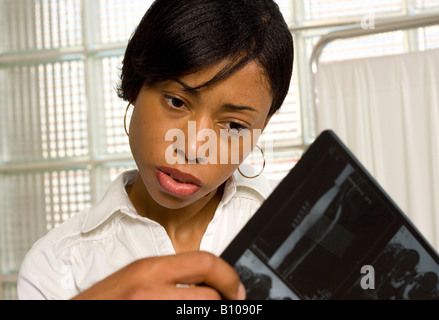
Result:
pixel 403 271
pixel 260 282
pixel 327 220
pixel 339 220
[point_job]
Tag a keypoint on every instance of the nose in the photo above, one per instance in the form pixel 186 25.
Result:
pixel 198 150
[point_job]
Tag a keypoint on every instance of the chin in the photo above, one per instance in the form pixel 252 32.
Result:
pixel 173 202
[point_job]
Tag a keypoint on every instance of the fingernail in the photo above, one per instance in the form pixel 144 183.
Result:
pixel 241 292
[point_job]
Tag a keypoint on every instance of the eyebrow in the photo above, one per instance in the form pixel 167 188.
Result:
pixel 227 106
pixel 232 107
pixel 188 88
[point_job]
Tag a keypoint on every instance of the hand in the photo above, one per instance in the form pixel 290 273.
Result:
pixel 204 275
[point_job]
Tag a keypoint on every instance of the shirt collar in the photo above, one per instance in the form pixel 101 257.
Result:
pixel 116 198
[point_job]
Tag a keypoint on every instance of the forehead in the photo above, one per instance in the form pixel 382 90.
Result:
pixel 248 82
pixel 251 69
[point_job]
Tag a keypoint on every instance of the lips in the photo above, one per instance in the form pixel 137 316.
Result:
pixel 177 182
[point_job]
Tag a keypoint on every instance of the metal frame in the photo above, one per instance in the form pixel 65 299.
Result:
pixel 381 26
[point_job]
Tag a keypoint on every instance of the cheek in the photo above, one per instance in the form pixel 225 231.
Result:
pixel 235 149
pixel 147 138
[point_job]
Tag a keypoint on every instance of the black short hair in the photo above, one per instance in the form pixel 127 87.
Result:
pixel 179 37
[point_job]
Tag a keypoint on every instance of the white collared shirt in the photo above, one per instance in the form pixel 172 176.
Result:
pixel 98 241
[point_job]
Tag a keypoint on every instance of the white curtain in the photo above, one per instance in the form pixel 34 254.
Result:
pixel 386 110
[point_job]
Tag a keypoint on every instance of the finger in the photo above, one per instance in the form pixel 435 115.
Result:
pixel 214 272
pixel 160 291
pixel 201 267
pixel 193 293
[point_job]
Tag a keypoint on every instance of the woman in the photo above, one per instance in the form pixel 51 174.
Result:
pixel 198 66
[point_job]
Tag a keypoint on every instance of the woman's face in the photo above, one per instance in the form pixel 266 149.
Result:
pixel 178 170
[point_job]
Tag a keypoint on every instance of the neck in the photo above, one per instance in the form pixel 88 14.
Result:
pixel 184 226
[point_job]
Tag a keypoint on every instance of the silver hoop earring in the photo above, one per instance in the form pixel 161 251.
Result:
pixel 125 119
pixel 263 166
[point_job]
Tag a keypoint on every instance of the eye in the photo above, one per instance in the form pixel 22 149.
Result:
pixel 234 126
pixel 174 102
